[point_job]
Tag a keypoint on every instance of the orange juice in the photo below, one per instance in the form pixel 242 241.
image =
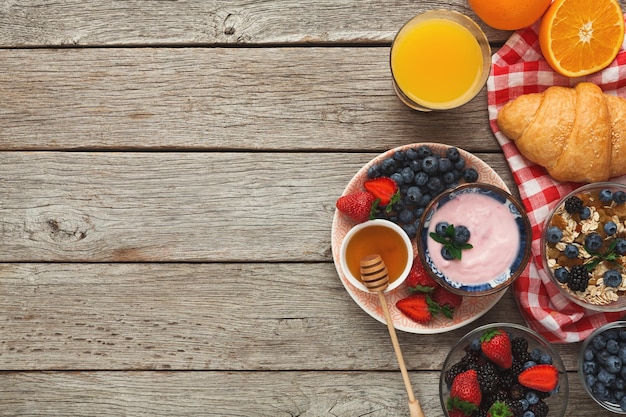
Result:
pixel 383 241
pixel 437 61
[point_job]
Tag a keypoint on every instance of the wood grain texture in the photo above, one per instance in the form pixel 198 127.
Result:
pixel 204 317
pixel 253 394
pixel 91 23
pixel 204 98
pixel 159 207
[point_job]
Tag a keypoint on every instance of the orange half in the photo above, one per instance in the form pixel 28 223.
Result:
pixel 580 37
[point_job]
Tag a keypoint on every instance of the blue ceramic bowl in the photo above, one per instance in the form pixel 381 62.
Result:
pixel 514 215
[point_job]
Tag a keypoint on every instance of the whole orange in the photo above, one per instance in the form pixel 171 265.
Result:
pixel 509 14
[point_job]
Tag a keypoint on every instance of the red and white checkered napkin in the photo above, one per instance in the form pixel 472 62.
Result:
pixel 519 68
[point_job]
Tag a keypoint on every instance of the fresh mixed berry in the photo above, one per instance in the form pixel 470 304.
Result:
pixel 500 376
pixel 421 174
pixel 604 367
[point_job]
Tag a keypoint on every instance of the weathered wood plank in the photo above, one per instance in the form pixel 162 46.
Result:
pixel 258 394
pixel 204 317
pixel 92 23
pixel 207 98
pixel 158 207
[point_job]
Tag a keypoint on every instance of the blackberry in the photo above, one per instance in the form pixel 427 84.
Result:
pixel 516 368
pixel 453 372
pixel 487 378
pixel 517 392
pixel 516 407
pixel 573 205
pixel 519 346
pixel 540 409
pixel 579 278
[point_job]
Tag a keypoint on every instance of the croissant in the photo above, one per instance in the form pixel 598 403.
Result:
pixel 577 134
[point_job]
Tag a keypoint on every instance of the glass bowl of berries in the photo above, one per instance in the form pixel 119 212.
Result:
pixel 503 366
pixel 474 239
pixel 602 366
pixel 583 246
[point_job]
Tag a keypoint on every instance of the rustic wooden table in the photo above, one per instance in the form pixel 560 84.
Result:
pixel 168 174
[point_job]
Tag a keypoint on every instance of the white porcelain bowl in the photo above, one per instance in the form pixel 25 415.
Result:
pixel 404 245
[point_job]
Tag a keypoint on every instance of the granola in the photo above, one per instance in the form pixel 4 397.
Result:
pixel 591 232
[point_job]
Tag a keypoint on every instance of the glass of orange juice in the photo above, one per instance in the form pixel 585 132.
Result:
pixel 440 60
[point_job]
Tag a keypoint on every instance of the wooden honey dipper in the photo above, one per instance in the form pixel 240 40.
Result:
pixel 376 278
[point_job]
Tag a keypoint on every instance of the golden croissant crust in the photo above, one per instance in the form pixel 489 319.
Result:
pixel 577 133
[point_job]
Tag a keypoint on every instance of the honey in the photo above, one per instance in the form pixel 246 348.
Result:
pixel 383 241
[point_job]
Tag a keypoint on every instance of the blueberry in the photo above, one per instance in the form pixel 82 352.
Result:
pixel 603 356
pixel 441 227
pixel 620 384
pixel 453 154
pixel 461 234
pixel 460 164
pixel 619 197
pixel 414 194
pixel 593 242
pixel 421 178
pixel 415 165
pixel 419 212
pixel 610 228
pixel 613 364
pixel 619 394
pixel 425 200
pixel 585 213
pixel 562 275
pixel 470 175
pixel 410 230
pixel 612 278
pixel 405 216
pixel 622 404
pixel 424 151
pixel 430 165
pixel 529 364
pixel 606 196
pixel 606 377
pixel 445 165
pixel 535 354
pixel 475 344
pixel 571 251
pixel 590 367
pixel 524 404
pixel 411 154
pixel 399 156
pixel 622 353
pixel 408 175
pixel 532 397
pixel 545 359
pixel 620 246
pixel 612 346
pixel 598 342
pixel 445 253
pixel 528 413
pixel 600 391
pixel 435 185
pixel 588 354
pixel 389 166
pixel 448 177
pixel 397 178
pixel 590 379
pixel 374 171
pixel 554 234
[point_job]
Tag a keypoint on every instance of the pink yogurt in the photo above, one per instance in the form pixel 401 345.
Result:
pixel 493 233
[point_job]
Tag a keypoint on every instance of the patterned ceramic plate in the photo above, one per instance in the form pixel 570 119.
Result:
pixel 471 308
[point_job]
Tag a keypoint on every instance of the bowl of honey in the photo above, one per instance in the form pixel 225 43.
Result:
pixel 381 237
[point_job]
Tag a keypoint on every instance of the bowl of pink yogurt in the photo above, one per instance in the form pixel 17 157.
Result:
pixel 475 239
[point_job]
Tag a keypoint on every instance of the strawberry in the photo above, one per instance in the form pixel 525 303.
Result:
pixel 496 345
pixel 540 377
pixel 418 307
pixel 465 394
pixel 357 206
pixel 418 279
pixel 499 409
pixel 383 188
pixel 447 301
pixel 456 413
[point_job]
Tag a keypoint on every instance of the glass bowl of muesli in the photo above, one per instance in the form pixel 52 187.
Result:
pixel 583 246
